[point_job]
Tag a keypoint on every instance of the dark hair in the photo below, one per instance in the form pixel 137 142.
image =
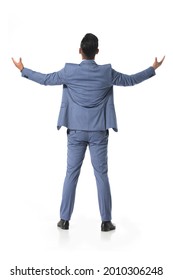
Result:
pixel 89 45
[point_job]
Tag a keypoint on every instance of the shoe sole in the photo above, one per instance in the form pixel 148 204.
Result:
pixel 66 228
pixel 107 229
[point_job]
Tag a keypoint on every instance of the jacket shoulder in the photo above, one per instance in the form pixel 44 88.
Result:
pixel 107 66
pixel 71 65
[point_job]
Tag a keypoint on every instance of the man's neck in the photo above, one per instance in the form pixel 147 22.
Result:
pixel 85 58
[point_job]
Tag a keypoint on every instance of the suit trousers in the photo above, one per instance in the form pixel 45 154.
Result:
pixel 78 141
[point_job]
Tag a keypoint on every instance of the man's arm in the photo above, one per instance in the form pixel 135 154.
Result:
pixel 120 79
pixel 55 78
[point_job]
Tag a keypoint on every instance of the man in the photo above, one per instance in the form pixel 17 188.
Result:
pixel 87 110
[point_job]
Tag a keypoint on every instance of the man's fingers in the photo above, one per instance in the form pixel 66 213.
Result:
pixel 162 59
pixel 15 62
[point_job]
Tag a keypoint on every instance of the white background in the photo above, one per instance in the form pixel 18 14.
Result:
pixel 46 34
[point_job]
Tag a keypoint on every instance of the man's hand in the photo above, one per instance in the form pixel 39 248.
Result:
pixel 156 63
pixel 19 64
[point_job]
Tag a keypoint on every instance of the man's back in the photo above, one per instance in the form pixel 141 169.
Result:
pixel 88 83
pixel 87 102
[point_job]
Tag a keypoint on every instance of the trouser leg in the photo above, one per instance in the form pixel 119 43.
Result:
pixel 98 152
pixel 75 156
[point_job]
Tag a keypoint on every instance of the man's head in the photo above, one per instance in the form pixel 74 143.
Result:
pixel 89 46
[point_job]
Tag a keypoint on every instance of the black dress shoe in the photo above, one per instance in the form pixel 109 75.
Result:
pixel 63 224
pixel 107 226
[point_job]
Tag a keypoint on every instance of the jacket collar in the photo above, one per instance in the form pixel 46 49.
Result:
pixel 88 61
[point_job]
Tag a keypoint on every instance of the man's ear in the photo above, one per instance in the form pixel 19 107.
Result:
pixel 97 51
pixel 80 50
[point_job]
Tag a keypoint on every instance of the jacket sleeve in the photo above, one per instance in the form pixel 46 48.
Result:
pixel 120 79
pixel 55 78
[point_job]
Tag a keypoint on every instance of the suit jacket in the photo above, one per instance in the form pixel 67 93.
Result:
pixel 87 100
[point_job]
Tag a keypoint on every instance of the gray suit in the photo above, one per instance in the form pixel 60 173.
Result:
pixel 88 111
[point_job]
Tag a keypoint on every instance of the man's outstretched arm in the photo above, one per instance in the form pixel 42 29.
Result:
pixel 121 79
pixel 55 78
